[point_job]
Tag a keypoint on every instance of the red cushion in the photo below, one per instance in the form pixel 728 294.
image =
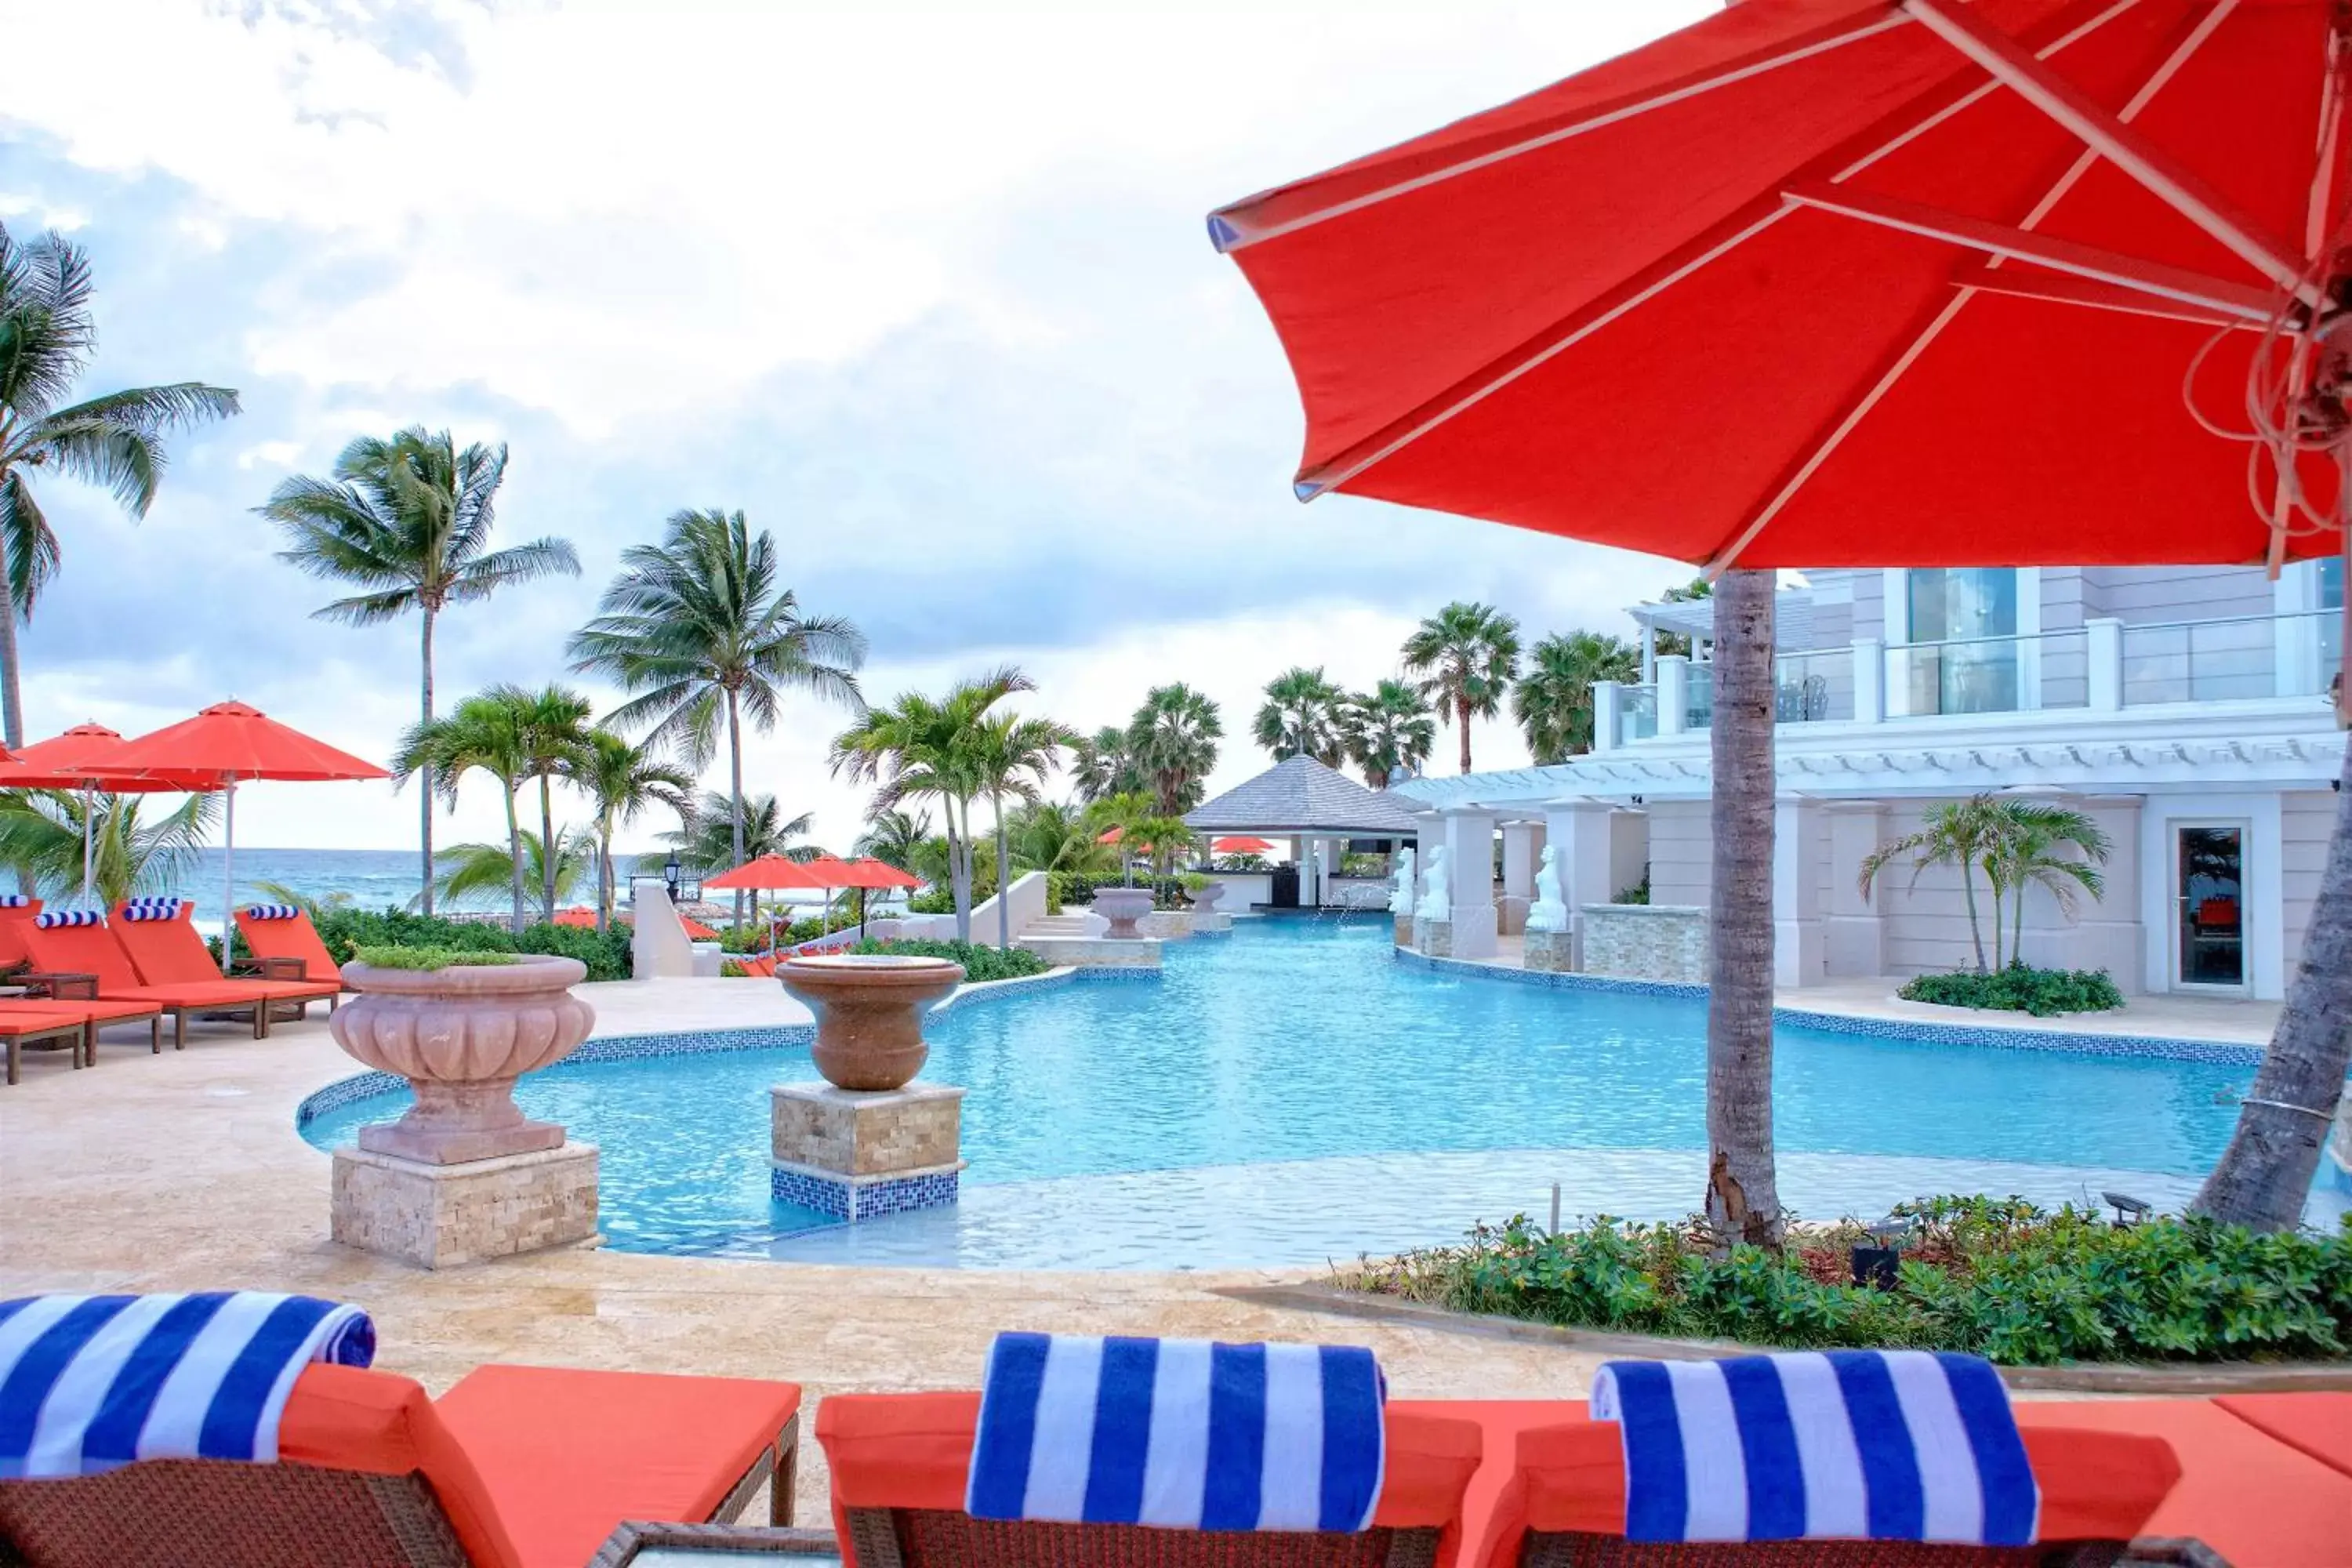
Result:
pixel 347 1418
pixel 2320 1425
pixel 914 1450
pixel 570 1454
pixel 294 937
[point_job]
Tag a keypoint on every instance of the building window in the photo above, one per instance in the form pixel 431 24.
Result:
pixel 1970 612
pixel 2331 626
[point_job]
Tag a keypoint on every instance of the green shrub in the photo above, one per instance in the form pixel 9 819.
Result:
pixel 1167 892
pixel 1997 1277
pixel 2044 993
pixel 932 902
pixel 606 956
pixel 1639 893
pixel 980 963
pixel 345 932
pixel 431 958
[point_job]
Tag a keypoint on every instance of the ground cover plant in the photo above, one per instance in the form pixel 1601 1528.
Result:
pixel 431 958
pixel 1993 1277
pixel 345 932
pixel 2044 993
pixel 980 963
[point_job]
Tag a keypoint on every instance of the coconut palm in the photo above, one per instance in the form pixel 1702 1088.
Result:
pixel 1173 739
pixel 482 734
pixel 923 748
pixel 1388 729
pixel 47 335
pixel 1962 833
pixel 407 520
pixel 701 627
pixel 1302 716
pixel 1553 698
pixel 1464 656
pixel 472 872
pixel 2031 851
pixel 894 838
pixel 553 725
pixel 1009 757
pixel 1103 765
pixel 622 781
pixel 132 850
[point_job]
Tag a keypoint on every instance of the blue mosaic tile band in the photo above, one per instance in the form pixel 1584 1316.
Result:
pixel 851 1202
pixel 1987 1036
pixel 1119 974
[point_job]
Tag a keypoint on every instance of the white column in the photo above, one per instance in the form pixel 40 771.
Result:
pixel 1799 955
pixel 1649 653
pixel 1470 854
pixel 1604 715
pixel 2104 638
pixel 1579 831
pixel 1673 693
pixel 1869 680
pixel 1521 843
pixel 1854 939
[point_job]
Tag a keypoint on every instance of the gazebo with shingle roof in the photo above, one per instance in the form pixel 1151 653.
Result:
pixel 1310 805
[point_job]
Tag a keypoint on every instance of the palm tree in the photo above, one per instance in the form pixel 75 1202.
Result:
pixel 468 871
pixel 47 335
pixel 1173 740
pixel 316 906
pixel 894 838
pixel 1465 656
pixel 131 852
pixel 1302 716
pixel 408 521
pixel 1388 729
pixel 1011 755
pixel 1050 835
pixel 1963 833
pixel 701 625
pixel 2029 853
pixel 706 836
pixel 622 780
pixel 923 748
pixel 482 732
pixel 1553 699
pixel 553 725
pixel 1103 765
pixel 1126 812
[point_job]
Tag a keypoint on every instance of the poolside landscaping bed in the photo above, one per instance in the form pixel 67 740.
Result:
pixel 1997 1277
pixel 2044 993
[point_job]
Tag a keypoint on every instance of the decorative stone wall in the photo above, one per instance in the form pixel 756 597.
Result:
pixel 1435 938
pixel 1403 935
pixel 1085 953
pixel 1552 951
pixel 1646 941
pixel 1168 925
pixel 439 1216
pixel 854 1155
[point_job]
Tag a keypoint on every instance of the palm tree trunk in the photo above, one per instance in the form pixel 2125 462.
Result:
pixel 604 874
pixel 1004 875
pixel 424 774
pixel 2265 1173
pixel 959 867
pixel 735 787
pixel 547 847
pixel 2017 928
pixel 12 697
pixel 1462 723
pixel 1743 1197
pixel 1976 933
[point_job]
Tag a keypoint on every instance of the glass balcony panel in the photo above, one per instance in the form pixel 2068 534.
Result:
pixel 1637 712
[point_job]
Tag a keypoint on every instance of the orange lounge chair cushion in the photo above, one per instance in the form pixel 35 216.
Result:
pixel 914 1450
pixel 170 952
pixel 2096 1486
pixel 81 1007
pixel 2320 1425
pixel 349 1418
pixel 14 919
pixel 18 1020
pixel 293 937
pixel 570 1454
pixel 93 950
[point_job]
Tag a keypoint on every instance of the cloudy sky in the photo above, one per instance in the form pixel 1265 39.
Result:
pixel 925 292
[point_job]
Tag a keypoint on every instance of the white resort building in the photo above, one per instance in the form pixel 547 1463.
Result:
pixel 2186 711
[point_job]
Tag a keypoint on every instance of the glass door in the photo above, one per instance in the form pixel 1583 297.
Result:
pixel 2209 882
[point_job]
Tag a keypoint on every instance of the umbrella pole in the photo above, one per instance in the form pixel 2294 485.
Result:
pixel 85 840
pixel 228 874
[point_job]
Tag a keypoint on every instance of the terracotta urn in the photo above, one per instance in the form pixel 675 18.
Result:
pixel 870 1012
pixel 1123 907
pixel 461 1036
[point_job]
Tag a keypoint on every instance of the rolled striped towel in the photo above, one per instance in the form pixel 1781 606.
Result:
pixel 49 919
pixel 158 909
pixel 89 1383
pixel 13 900
pixel 1181 1434
pixel 1876 1445
pixel 273 911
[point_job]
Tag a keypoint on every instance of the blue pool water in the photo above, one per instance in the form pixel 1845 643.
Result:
pixel 1342 1080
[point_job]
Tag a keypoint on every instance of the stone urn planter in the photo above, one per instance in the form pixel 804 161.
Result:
pixel 1204 902
pixel 870 1012
pixel 1123 907
pixel 461 1036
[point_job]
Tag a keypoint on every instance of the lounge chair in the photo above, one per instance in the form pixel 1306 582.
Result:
pixel 76 993
pixel 77 943
pixel 160 936
pixel 2316 1423
pixel 21 1027
pixel 514 1467
pixel 286 946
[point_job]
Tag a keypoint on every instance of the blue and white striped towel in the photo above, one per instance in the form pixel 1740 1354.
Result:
pixel 49 920
pixel 1181 1434
pixel 158 909
pixel 88 1382
pixel 273 911
pixel 13 900
pixel 1876 1445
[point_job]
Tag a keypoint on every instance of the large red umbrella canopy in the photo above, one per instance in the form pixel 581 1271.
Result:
pixel 1811 269
pixel 877 876
pixel 84 758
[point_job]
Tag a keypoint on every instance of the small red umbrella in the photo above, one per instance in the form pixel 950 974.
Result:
pixel 875 876
pixel 767 873
pixel 1110 835
pixel 1242 845
pixel 234 743
pixel 586 919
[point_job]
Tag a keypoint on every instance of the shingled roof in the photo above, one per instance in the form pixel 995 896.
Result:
pixel 1302 796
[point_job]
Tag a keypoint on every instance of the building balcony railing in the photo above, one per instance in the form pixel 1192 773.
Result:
pixel 2103 665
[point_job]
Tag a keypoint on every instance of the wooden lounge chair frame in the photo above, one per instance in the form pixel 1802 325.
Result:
pixel 76 1031
pixel 278 967
pixel 70 988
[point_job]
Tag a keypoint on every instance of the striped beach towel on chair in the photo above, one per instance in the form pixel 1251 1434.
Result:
pixel 153 908
pixel 273 911
pixel 89 1383
pixel 1181 1434
pixel 1875 1445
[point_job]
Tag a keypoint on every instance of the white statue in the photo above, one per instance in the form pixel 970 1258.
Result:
pixel 1436 900
pixel 1550 912
pixel 1401 893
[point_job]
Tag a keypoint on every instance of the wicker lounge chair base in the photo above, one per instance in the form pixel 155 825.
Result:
pixel 939 1538
pixel 1581 1551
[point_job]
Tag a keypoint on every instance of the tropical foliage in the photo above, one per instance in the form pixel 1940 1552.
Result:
pixel 2016 844
pixel 622 782
pixel 1389 729
pixel 551 726
pixel 1464 657
pixel 895 839
pixel 1103 764
pixel 706 837
pixel 407 520
pixel 1049 835
pixel 1009 757
pixel 483 733
pixel 474 874
pixel 136 847
pixel 2044 993
pixel 1553 698
pixel 48 333
pixel 1304 714
pixel 346 931
pixel 1173 741
pixel 980 964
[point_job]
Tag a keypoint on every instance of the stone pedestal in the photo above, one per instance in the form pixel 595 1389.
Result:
pixel 1402 936
pixel 858 1155
pixel 442 1216
pixel 1432 938
pixel 1552 951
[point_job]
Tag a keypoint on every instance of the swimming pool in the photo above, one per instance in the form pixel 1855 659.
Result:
pixel 1291 1092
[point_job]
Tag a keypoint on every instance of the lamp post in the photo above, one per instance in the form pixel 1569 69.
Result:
pixel 671 870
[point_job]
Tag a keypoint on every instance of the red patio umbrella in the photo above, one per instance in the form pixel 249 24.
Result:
pixel 875 876
pixel 82 757
pixel 767 873
pixel 1244 845
pixel 2043 282
pixel 234 743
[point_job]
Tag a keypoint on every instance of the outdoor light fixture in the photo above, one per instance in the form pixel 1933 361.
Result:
pixel 2128 1210
pixel 670 872
pixel 1875 1266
